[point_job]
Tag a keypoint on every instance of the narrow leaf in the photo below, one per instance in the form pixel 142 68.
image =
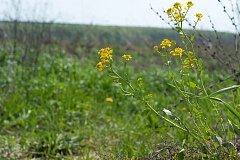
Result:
pixel 169 113
pixel 218 140
pixel 225 90
pixel 229 107
pixel 236 129
pixel 230 126
pixel 192 37
pixel 172 85
pixel 229 145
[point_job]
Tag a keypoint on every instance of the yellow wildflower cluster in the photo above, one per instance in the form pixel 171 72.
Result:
pixel 166 43
pixel 127 57
pixel 178 11
pixel 105 55
pixel 177 52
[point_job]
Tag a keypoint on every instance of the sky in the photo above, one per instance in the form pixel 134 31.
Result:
pixel 115 12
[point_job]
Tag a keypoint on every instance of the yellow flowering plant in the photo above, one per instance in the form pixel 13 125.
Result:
pixel 192 90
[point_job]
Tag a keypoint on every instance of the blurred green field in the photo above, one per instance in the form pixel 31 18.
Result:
pixel 60 111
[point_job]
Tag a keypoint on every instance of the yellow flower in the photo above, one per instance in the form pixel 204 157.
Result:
pixel 177 52
pixel 179 17
pixel 189 4
pixel 105 54
pixel 165 43
pixel 155 48
pixel 99 66
pixel 178 11
pixel 169 12
pixel 127 57
pixel 199 16
pixel 109 99
pixel 184 109
pixel 177 5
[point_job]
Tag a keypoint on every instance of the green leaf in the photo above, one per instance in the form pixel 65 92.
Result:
pixel 180 155
pixel 229 107
pixel 225 90
pixel 236 129
pixel 192 38
pixel 218 140
pixel 230 126
pixel 172 85
pixel 169 113
pixel 192 85
pixel 199 62
pixel 171 75
pixel 202 154
pixel 229 145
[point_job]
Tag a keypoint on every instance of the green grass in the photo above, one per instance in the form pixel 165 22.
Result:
pixel 60 111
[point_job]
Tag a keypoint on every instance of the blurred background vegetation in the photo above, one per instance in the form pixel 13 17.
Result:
pixel 24 41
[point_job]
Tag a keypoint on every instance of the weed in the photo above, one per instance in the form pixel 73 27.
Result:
pixel 205 118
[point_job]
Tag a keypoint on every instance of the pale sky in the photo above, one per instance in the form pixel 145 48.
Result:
pixel 116 12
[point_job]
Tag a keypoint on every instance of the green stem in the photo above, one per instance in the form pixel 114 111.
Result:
pixel 169 121
pixel 201 135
